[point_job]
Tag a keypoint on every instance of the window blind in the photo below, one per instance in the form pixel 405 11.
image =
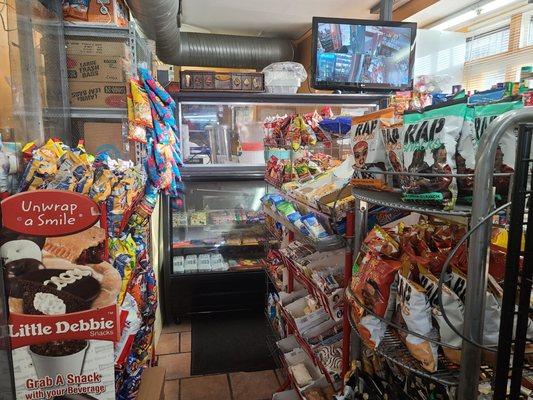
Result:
pixel 487 44
pixel 483 70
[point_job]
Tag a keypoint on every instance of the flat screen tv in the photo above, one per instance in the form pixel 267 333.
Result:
pixel 362 55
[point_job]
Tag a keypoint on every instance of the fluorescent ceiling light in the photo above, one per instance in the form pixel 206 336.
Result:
pixel 471 14
pixel 455 20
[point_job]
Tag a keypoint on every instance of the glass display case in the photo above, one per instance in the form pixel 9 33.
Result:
pixel 215 238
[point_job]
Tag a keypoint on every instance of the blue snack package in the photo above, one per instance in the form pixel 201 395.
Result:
pixel 338 125
pixel 487 96
pixel 315 229
pixel 295 216
pixel 300 225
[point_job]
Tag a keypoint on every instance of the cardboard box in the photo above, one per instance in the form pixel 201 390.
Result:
pixel 106 12
pixel 95 48
pixel 152 385
pixel 107 137
pixel 97 94
pixel 95 69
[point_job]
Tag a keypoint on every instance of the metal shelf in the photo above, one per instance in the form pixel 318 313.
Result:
pixel 332 242
pixel 268 98
pixel 307 348
pixel 98 113
pixel 100 31
pixel 394 200
pixel 321 296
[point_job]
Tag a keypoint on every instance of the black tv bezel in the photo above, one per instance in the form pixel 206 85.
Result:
pixel 360 87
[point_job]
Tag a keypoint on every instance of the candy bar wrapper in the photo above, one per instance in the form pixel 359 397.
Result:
pixel 369 151
pixel 430 139
pixel 132 326
pixel 141 105
pixel 103 183
pixel 416 313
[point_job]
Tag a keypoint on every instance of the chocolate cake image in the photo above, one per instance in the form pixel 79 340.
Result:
pixel 75 397
pixel 82 248
pixel 55 291
pixel 22 266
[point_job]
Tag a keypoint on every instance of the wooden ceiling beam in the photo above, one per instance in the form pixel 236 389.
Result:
pixel 411 8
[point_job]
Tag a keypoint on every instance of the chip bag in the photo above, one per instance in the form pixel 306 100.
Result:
pixel 453 306
pixel 416 312
pixel 478 118
pixel 429 142
pixel 368 151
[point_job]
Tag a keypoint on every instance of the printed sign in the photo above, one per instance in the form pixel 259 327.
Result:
pixel 63 318
pixel 49 213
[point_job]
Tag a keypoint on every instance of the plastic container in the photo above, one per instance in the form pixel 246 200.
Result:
pixel 284 77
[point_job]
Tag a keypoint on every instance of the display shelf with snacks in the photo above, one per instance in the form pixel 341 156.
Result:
pixel 330 242
pixel 434 254
pixel 331 300
pixel 333 378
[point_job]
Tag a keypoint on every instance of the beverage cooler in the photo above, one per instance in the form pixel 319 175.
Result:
pixel 216 242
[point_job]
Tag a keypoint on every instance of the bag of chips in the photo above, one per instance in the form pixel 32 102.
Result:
pixel 416 313
pixel 368 151
pixel 429 144
pixel 391 132
pixel 478 118
pixel 373 281
pixel 453 306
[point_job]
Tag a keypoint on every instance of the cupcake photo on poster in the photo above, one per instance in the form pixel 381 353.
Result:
pixel 62 295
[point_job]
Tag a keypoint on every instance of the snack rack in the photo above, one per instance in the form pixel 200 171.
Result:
pixel 478 216
pixel 295 274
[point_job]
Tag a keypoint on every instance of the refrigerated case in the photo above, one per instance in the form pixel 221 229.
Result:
pixel 219 220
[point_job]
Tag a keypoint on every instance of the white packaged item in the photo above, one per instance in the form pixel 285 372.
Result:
pixel 284 77
pixel 204 263
pixel 288 344
pixel 219 266
pixel 416 313
pixel 301 375
pixel 216 257
pixel 178 264
pixel 191 263
pixel 286 395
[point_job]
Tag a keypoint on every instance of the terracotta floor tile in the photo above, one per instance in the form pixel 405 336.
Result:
pixel 169 343
pixel 185 342
pixel 172 390
pixel 209 387
pixel 184 326
pixel 253 385
pixel 176 365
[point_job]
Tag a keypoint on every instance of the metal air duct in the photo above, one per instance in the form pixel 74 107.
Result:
pixel 159 20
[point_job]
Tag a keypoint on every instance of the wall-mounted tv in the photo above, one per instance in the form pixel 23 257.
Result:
pixel 362 55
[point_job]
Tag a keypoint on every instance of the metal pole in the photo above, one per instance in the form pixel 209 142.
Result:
pixel 385 10
pixel 477 250
pixel 348 260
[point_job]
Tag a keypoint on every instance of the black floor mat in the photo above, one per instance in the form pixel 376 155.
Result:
pixel 230 342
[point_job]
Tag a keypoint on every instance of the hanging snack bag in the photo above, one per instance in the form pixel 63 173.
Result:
pixel 368 151
pixel 373 281
pixel 416 312
pixel 453 306
pixel 391 129
pixel 477 121
pixel 141 105
pixel 429 142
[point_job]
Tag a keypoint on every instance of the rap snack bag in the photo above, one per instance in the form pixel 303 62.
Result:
pixel 477 120
pixel 453 306
pixel 416 312
pixel 391 129
pixel 368 151
pixel 429 142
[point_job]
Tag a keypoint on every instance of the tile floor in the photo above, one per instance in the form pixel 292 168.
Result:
pixel 174 351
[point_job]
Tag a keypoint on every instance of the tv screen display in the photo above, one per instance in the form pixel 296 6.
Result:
pixel 362 55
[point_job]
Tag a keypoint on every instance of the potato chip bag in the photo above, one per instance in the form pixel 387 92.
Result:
pixel 429 142
pixel 368 151
pixel 416 312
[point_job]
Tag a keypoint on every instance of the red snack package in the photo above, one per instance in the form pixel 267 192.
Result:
pixel 379 241
pixel 372 283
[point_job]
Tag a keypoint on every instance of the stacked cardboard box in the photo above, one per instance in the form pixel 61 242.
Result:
pixel 96 73
pixel 113 12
